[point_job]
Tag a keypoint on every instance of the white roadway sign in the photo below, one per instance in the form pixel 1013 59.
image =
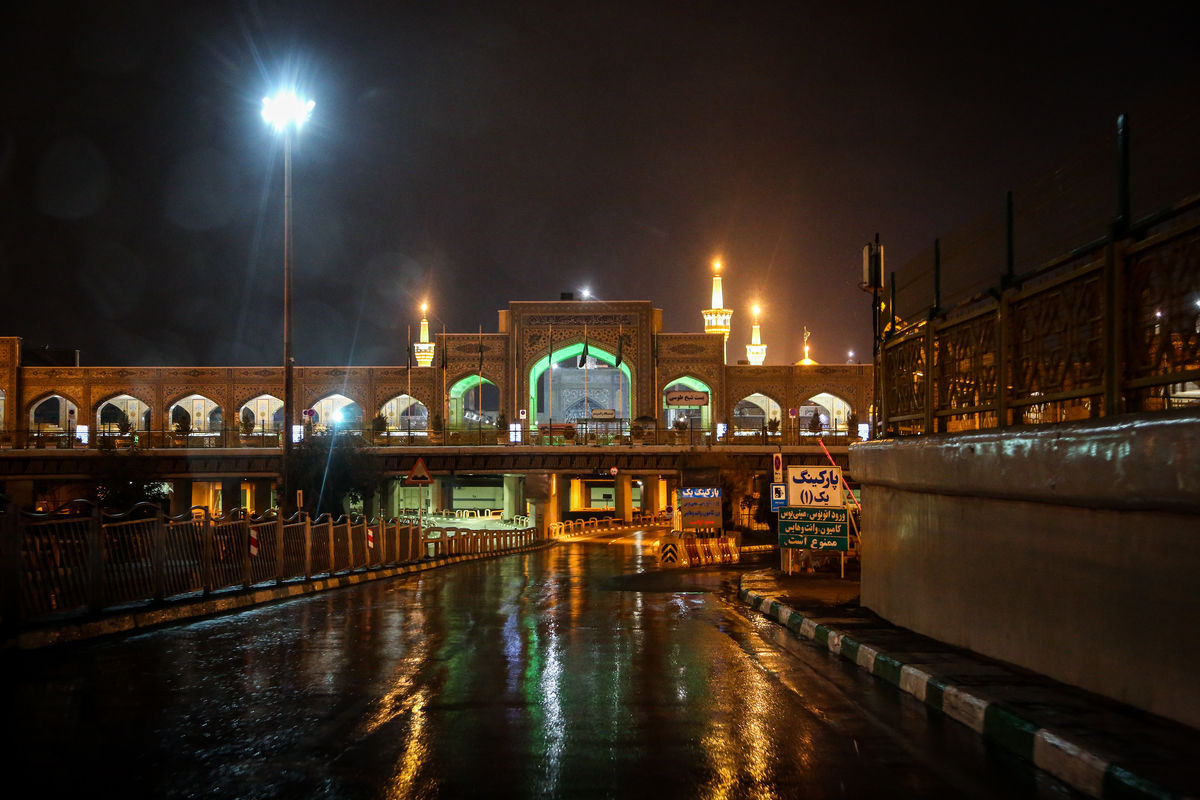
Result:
pixel 685 398
pixel 814 486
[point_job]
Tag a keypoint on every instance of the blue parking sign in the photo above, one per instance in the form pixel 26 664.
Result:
pixel 778 496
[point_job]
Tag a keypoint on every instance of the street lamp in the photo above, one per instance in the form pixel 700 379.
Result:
pixel 287 112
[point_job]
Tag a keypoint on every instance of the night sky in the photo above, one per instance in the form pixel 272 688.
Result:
pixel 476 153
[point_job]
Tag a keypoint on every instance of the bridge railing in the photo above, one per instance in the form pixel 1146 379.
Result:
pixel 81 559
pixel 51 437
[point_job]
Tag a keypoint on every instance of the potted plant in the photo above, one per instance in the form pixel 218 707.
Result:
pixel 124 428
pixel 635 432
pixel 379 425
pixel 436 426
pixel 569 433
pixel 183 429
pixel 501 428
pixel 852 425
pixel 681 429
pixel 773 425
pixel 814 423
pixel 246 423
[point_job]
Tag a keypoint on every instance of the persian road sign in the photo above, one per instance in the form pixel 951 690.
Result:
pixel 809 528
pixel 685 398
pixel 700 507
pixel 815 486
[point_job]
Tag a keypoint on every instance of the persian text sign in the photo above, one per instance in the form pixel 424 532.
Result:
pixel 682 398
pixel 700 507
pixel 809 528
pixel 815 486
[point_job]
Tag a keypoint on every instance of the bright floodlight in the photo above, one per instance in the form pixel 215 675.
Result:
pixel 286 108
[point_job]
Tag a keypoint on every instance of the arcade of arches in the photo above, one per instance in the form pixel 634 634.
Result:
pixel 548 362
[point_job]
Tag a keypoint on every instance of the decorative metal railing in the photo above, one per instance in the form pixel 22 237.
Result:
pixel 80 560
pixel 560 435
pixel 1111 326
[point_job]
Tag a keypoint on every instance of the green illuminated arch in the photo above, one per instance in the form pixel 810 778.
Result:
pixel 573 351
pixel 696 385
pixel 458 391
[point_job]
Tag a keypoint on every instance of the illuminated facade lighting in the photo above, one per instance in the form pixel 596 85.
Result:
pixel 423 350
pixel 717 318
pixel 756 351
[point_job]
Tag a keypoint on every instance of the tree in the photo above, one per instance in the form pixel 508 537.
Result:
pixel 125 478
pixel 331 470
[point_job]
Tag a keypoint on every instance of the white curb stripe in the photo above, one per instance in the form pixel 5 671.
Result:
pixel 783 613
pixel 808 629
pixel 966 708
pixel 834 642
pixel 866 658
pixel 1070 763
pixel 914 681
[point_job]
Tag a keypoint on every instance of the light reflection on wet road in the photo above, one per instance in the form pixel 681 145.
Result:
pixel 559 673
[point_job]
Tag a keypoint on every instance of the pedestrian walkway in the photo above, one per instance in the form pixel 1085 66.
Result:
pixel 1100 747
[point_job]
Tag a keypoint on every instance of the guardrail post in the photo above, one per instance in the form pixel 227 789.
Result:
pixel 206 553
pixel 96 560
pixel 308 546
pixel 278 549
pixel 1002 363
pixel 158 555
pixel 247 575
pixel 332 547
pixel 10 563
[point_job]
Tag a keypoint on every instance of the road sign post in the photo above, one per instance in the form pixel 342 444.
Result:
pixel 419 475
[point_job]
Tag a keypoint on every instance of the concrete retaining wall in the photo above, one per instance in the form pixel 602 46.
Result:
pixel 1072 550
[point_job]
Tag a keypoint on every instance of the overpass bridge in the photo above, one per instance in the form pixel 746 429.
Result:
pixel 548 482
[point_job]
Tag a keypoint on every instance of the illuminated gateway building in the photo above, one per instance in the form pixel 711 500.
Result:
pixel 603 364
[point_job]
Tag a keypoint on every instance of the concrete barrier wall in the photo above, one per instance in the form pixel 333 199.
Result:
pixel 1072 550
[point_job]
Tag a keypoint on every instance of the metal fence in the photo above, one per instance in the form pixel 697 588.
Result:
pixel 1109 325
pixel 1135 171
pixel 80 560
pixel 1111 329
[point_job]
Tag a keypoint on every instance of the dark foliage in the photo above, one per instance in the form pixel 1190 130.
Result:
pixel 126 477
pixel 331 470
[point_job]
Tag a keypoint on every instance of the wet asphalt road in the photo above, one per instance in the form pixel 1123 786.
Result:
pixel 578 671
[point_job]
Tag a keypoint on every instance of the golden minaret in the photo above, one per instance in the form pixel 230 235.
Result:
pixel 716 319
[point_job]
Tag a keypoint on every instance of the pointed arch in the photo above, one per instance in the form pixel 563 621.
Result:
pixel 473 399
pixel 201 413
pixel 753 412
pixel 335 410
pixel 832 410
pixel 53 411
pixel 616 392
pixel 698 416
pixel 405 413
pixel 265 413
pixel 109 412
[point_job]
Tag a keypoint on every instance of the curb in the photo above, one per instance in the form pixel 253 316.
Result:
pixel 1073 763
pixel 228 601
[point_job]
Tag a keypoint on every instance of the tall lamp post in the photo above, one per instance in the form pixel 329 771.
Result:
pixel 286 113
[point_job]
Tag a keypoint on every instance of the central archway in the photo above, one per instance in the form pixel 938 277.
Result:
pixel 572 389
pixel 473 401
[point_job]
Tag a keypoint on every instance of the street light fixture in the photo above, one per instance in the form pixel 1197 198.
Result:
pixel 286 112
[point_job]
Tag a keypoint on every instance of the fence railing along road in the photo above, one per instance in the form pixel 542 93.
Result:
pixel 81 560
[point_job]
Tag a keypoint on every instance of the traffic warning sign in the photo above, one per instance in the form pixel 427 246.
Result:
pixel 419 474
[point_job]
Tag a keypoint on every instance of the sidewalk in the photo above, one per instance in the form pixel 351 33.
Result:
pixel 1100 747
